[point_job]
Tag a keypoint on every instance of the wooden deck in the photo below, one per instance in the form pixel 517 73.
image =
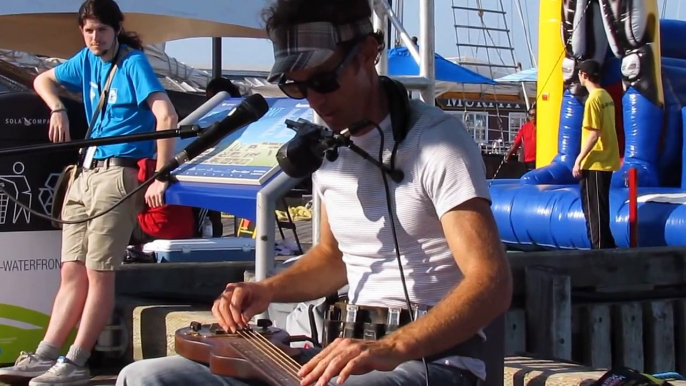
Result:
pixel 519 371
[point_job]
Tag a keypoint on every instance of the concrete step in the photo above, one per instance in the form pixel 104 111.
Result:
pixel 191 282
pixel 151 309
pixel 527 371
pixel 151 325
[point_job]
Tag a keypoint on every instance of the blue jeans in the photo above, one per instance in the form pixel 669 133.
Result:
pixel 179 371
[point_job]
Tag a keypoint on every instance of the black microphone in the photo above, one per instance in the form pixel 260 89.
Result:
pixel 248 111
pixel 304 154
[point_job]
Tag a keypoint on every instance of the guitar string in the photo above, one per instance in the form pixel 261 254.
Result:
pixel 280 352
pixel 275 359
pixel 259 346
pixel 273 351
pixel 275 364
pixel 271 364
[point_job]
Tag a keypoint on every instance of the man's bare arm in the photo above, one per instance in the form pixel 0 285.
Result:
pixel 47 88
pixel 166 118
pixel 320 272
pixel 484 293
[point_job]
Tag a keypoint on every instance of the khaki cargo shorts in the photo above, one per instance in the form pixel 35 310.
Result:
pixel 100 243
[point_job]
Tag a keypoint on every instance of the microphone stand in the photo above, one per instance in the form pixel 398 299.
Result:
pixel 183 132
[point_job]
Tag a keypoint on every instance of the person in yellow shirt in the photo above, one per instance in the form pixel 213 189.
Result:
pixel 598 158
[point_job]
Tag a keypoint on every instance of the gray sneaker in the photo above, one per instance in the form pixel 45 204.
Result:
pixel 63 373
pixel 27 366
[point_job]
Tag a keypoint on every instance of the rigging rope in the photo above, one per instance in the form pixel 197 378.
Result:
pixel 532 57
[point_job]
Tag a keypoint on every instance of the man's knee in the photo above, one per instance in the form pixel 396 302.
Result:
pixel 167 371
pixel 141 373
pixel 102 278
pixel 413 373
pixel 73 273
pixel 129 374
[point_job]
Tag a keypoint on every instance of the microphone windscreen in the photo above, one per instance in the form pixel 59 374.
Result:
pixel 256 105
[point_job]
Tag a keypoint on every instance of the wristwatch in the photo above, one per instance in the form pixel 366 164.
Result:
pixel 164 177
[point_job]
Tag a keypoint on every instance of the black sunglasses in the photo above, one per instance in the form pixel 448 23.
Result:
pixel 322 83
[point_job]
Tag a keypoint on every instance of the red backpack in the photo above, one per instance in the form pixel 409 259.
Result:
pixel 170 222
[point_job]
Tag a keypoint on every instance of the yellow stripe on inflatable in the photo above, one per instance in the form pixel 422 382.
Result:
pixel 550 82
pixel 653 27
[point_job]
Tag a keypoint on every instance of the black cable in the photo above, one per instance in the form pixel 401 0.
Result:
pixel 50 218
pixel 391 214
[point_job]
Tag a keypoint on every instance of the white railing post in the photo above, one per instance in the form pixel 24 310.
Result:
pixel 427 49
pixel 381 24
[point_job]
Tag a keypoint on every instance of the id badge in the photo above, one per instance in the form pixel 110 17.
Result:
pixel 88 159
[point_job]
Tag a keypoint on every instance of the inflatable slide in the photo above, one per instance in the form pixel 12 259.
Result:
pixel 644 69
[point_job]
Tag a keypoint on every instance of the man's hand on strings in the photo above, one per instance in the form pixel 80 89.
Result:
pixel 239 302
pixel 346 357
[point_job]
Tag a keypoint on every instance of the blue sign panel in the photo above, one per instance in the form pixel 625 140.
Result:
pixel 247 156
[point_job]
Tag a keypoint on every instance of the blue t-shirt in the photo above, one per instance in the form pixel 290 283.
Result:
pixel 127 111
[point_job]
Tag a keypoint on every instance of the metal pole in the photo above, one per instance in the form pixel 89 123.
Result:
pixel 264 239
pixel 383 7
pixel 400 13
pixel 265 225
pixel 526 97
pixel 381 24
pixel 217 58
pixel 389 29
pixel 316 200
pixel 427 50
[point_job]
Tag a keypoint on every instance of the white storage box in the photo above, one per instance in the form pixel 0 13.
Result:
pixel 202 250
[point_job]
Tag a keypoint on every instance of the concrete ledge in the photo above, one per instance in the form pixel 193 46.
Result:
pixel 521 371
pixel 525 371
pixel 186 282
pixel 151 325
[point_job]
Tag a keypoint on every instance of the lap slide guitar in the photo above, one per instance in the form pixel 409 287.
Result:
pixel 251 354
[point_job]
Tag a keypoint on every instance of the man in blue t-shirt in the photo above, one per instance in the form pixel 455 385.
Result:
pixel 91 251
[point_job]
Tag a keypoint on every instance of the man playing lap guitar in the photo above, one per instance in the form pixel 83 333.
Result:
pixel 453 264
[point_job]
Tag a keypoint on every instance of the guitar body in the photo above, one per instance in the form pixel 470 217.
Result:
pixel 250 355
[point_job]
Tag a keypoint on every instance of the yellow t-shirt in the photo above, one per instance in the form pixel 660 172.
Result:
pixel 599 114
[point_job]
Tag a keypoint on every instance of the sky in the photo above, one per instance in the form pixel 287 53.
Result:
pixel 257 54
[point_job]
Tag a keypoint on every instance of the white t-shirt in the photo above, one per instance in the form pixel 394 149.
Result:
pixel 443 168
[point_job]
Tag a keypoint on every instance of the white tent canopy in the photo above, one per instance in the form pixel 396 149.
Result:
pixel 528 75
pixel 186 78
pixel 49 27
pixel 494 73
pixel 260 85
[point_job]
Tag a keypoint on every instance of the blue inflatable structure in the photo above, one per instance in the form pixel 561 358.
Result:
pixel 542 210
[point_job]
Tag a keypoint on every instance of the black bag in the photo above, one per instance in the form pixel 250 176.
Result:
pixel 624 376
pixel 70 172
